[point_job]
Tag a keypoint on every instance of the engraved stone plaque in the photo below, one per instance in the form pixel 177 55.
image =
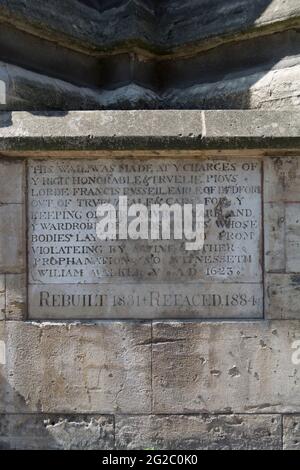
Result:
pixel 74 275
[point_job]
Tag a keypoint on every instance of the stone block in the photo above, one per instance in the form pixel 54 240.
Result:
pixel 16 290
pixel 2 297
pixel 12 243
pixel 83 277
pixel 12 182
pixel 188 432
pixel 292 247
pixel 282 237
pixel 274 231
pixel 149 130
pixel 232 367
pixel 77 368
pixel 282 296
pixel 52 432
pixel 282 179
pixel 291 432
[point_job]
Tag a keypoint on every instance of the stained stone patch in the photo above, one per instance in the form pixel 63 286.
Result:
pixel 186 432
pixel 54 432
pixel 282 296
pixel 291 432
pixel 77 368
pixel 275 230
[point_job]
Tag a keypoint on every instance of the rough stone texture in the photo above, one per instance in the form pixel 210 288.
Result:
pixel 74 368
pixel 2 368
pixel 148 54
pixel 282 296
pixel 194 20
pixel 282 179
pixel 259 124
pixel 282 220
pixel 241 367
pixel 198 432
pixel 16 292
pixel 157 280
pixel 41 432
pixel 274 225
pixel 175 23
pixel 26 90
pixel 282 237
pixel 291 432
pixel 12 182
pixel 269 89
pixel 23 89
pixel 2 297
pixel 12 243
pixel 292 247
pixel 148 130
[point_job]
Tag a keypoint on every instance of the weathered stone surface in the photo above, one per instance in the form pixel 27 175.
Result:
pixel 68 368
pixel 282 237
pixel 16 292
pixel 174 24
pixel 40 432
pixel 256 124
pixel 86 28
pixel 274 230
pixel 282 179
pixel 268 89
pixel 3 388
pixel 151 130
pixel 169 55
pixel 103 124
pixel 291 432
pixel 145 301
pixel 225 367
pixel 282 296
pixel 292 247
pixel 198 432
pixel 185 87
pixel 12 182
pixel 193 20
pixel 282 214
pixel 12 243
pixel 24 90
pixel 2 297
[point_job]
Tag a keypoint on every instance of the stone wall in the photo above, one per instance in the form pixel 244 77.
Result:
pixel 196 54
pixel 140 378
pixel 163 384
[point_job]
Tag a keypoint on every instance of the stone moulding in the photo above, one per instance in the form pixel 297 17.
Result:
pixel 191 383
pixel 153 131
pixel 138 54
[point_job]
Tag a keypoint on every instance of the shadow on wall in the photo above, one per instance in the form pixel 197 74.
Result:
pixel 221 77
pixel 22 429
pixel 199 59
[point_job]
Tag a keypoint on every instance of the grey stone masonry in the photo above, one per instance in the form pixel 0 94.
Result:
pixel 203 432
pixel 12 216
pixel 148 130
pixel 198 352
pixel 282 240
